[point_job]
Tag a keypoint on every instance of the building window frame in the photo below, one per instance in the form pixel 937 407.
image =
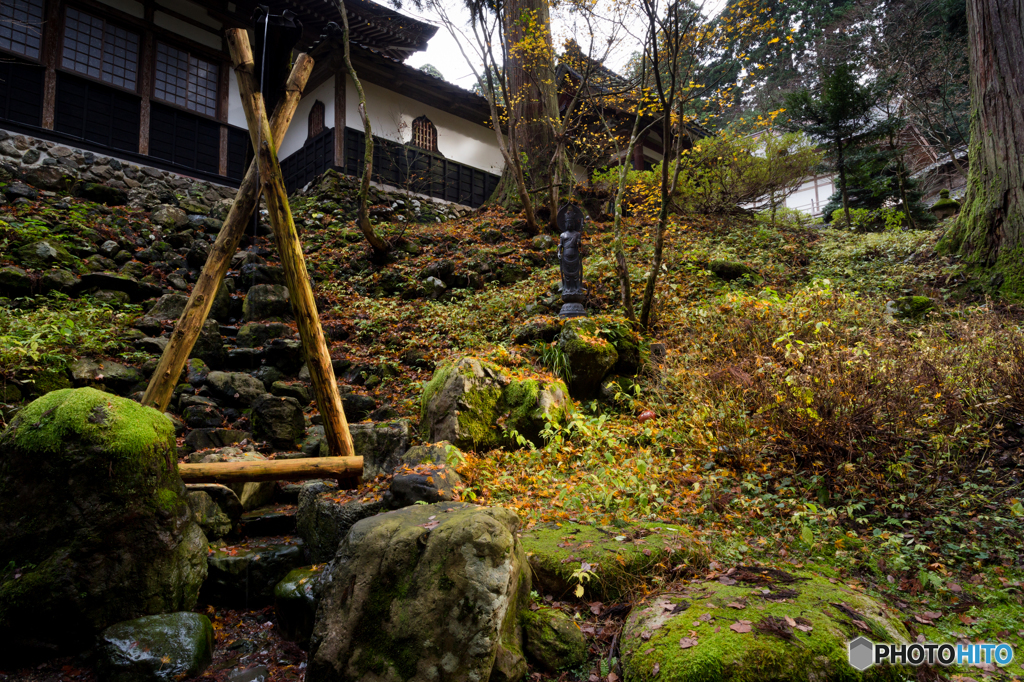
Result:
pixel 38 38
pixel 107 27
pixel 317 120
pixel 197 61
pixel 424 134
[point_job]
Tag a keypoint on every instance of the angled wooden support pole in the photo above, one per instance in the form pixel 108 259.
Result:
pixel 190 324
pixel 314 346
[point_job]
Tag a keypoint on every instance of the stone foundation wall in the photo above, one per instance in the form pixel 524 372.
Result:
pixel 52 166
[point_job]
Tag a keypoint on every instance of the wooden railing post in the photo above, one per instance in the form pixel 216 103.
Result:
pixel 190 324
pixel 318 358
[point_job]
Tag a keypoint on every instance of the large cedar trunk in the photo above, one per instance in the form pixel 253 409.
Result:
pixel 533 93
pixel 989 232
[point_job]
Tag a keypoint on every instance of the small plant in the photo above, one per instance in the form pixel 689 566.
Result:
pixel 582 575
pixel 554 358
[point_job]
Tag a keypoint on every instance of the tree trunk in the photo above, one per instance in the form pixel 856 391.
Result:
pixel 841 163
pixel 533 105
pixel 989 232
pixel 379 246
pixel 647 306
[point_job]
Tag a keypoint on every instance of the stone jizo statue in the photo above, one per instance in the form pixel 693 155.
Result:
pixel 570 222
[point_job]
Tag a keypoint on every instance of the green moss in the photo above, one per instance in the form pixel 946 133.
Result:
pixel 914 307
pixel 622 567
pixel 723 654
pixel 379 651
pixel 436 383
pixel 88 417
pixel 168 500
pixel 552 640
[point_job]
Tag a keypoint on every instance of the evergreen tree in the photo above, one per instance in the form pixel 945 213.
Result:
pixel 840 111
pixel 877 174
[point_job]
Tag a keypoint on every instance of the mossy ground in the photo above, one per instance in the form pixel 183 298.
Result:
pixel 772 649
pixel 623 563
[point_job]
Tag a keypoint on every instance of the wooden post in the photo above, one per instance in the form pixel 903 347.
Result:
pixel 318 359
pixel 190 324
pixel 273 470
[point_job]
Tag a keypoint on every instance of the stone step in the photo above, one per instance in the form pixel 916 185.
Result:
pixel 278 519
pixel 244 574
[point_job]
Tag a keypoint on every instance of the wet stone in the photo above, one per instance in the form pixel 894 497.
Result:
pixel 246 574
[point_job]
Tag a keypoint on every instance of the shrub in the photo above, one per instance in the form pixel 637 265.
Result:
pixel 727 172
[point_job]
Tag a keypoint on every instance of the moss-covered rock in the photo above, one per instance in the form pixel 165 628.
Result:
pixel 622 561
pixel 945 207
pixel 170 646
pixel 426 592
pixel 94 521
pixel 911 308
pixel 730 271
pixel 474 405
pixel 762 626
pixel 552 641
pixel 45 254
pixel 589 356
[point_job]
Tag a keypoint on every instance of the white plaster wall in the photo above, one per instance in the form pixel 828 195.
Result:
pixel 236 114
pixel 299 129
pixel 391 116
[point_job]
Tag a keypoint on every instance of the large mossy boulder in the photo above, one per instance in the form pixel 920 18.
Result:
pixel 763 625
pixel 95 526
pixel 426 592
pixel 589 356
pixel 474 405
pixel 170 646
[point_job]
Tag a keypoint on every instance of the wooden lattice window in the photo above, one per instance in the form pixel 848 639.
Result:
pixel 21 23
pixel 316 119
pixel 99 50
pixel 424 134
pixel 185 80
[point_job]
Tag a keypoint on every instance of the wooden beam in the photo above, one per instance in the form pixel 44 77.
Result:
pixel 314 345
pixel 273 470
pixel 50 53
pixel 190 324
pixel 145 74
pixel 340 87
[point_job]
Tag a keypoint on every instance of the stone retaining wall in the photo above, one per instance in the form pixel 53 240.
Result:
pixel 51 166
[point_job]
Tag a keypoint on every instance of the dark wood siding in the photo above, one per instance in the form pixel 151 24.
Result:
pixel 238 147
pixel 316 156
pixel 419 171
pixel 21 92
pixel 183 138
pixel 98 113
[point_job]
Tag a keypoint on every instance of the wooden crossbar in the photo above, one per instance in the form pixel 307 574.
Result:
pixel 341 468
